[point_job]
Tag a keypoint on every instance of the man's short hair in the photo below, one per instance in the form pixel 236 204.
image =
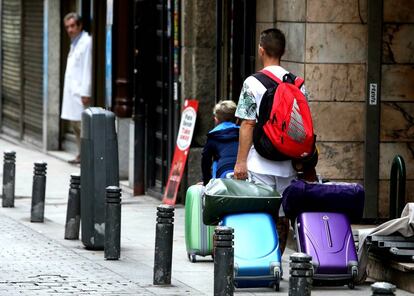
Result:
pixel 75 16
pixel 225 110
pixel 273 42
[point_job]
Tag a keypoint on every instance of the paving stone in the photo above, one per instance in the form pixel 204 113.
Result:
pixel 34 265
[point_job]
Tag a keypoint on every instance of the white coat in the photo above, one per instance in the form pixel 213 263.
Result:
pixel 78 78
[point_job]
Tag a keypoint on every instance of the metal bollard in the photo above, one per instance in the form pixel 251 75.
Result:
pixel 163 245
pixel 223 261
pixel 38 192
pixel 383 289
pixel 9 174
pixel 73 209
pixel 112 244
pixel 301 274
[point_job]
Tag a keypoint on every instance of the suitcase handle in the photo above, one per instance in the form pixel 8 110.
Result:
pixel 231 176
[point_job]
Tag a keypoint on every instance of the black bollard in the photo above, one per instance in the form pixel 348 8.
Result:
pixel 383 289
pixel 223 261
pixel 163 245
pixel 112 245
pixel 301 274
pixel 9 174
pixel 73 209
pixel 38 192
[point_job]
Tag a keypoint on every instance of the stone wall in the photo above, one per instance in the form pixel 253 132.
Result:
pixel 52 77
pixel 199 60
pixel 198 75
pixel 327 44
pixel 397 95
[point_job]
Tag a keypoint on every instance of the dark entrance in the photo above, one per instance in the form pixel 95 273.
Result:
pixel 153 112
pixel 236 45
pixel 93 20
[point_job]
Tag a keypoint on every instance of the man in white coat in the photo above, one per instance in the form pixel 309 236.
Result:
pixel 78 76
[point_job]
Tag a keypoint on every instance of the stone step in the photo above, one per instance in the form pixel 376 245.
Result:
pixel 400 274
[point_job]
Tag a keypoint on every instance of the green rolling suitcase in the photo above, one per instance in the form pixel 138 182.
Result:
pixel 198 236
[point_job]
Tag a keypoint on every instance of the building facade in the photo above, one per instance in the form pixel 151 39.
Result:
pixel 357 58
pixel 334 47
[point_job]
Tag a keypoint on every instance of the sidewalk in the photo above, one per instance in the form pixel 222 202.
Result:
pixel 36 260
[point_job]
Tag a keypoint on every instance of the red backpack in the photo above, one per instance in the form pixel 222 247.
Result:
pixel 284 128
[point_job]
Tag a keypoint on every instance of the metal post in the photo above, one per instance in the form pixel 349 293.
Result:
pixel 223 261
pixel 9 174
pixel 373 104
pixel 38 192
pixel 383 289
pixel 112 244
pixel 397 197
pixel 163 245
pixel 301 274
pixel 73 209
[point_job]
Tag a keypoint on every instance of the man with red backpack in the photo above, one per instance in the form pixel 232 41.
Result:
pixel 276 125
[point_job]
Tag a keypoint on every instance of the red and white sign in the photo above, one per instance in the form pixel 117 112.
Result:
pixel 185 135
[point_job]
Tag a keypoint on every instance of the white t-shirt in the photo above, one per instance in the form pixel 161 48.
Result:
pixel 248 108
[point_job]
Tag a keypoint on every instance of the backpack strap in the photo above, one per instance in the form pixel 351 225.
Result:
pixel 288 77
pixel 265 80
pixel 299 81
pixel 271 76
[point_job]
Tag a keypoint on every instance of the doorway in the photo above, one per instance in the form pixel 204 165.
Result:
pixel 236 45
pixel 153 110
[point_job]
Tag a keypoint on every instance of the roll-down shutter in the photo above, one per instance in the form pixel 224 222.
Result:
pixel 33 68
pixel 11 82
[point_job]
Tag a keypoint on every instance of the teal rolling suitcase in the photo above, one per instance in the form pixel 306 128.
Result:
pixel 198 236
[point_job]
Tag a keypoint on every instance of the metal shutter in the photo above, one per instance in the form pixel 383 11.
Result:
pixel 11 69
pixel 33 69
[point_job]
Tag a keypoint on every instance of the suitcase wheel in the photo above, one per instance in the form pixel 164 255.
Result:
pixel 192 257
pixel 276 274
pixel 351 284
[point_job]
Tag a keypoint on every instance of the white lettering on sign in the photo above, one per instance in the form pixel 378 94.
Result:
pixel 373 93
pixel 185 132
pixel 175 91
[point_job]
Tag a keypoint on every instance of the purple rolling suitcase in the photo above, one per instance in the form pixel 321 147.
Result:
pixel 337 197
pixel 327 237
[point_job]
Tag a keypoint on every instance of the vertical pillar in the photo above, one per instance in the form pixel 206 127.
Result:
pixel 373 108
pixel 73 209
pixel 163 245
pixel 52 24
pixel 301 275
pixel 38 192
pixel 223 261
pixel 112 245
pixel 9 174
pixel 140 34
pixel 123 98
pixel 383 289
